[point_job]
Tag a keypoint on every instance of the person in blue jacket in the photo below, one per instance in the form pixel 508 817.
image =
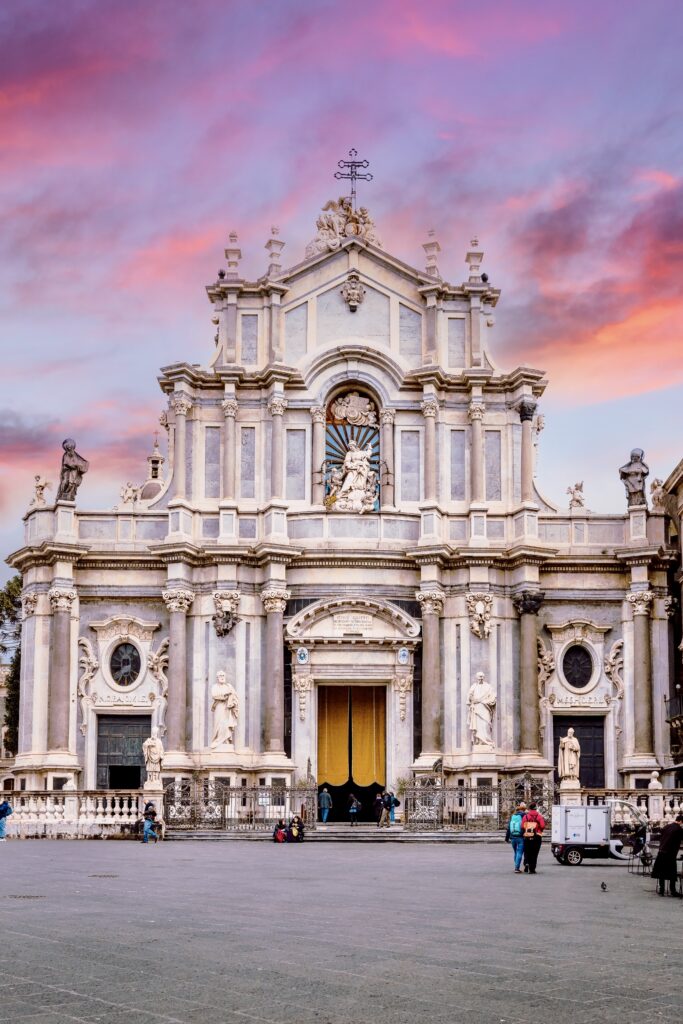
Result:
pixel 514 835
pixel 5 811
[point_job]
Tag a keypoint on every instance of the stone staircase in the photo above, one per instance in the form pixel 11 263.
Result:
pixel 342 833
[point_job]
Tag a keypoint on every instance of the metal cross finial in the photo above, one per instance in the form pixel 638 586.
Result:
pixel 352 172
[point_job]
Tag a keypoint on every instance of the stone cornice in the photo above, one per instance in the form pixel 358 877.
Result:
pixel 47 553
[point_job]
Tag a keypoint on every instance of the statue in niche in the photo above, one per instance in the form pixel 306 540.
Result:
pixel 481 704
pixel 153 752
pixel 73 469
pixel 569 756
pixel 225 708
pixel 633 474
pixel 359 487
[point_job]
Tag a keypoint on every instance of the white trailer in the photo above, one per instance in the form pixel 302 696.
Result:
pixel 579 832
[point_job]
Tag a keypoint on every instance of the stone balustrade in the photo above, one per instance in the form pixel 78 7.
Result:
pixel 71 813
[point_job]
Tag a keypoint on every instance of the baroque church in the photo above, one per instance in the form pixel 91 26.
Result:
pixel 344 568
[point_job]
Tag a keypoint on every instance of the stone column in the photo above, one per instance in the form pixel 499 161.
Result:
pixel 527 409
pixel 274 601
pixel 476 413
pixel 230 413
pixel 527 605
pixel 178 602
pixel 181 406
pixel 429 410
pixel 387 417
pixel 59 684
pixel 641 602
pixel 276 407
pixel 318 454
pixel 431 603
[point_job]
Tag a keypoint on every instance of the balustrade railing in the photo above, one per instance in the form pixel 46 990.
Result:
pixel 31 810
pixel 659 804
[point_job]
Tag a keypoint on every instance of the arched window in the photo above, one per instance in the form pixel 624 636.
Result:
pixel 352 454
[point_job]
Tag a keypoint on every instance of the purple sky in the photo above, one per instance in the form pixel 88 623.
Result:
pixel 134 136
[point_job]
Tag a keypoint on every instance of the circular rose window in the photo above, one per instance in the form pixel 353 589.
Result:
pixel 577 666
pixel 125 664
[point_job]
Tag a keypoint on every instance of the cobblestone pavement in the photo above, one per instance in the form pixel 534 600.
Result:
pixel 205 933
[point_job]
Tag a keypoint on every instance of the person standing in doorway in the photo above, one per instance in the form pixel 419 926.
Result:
pixel 354 809
pixel 325 805
pixel 5 811
pixel 514 835
pixel 533 824
pixel 387 804
pixel 378 807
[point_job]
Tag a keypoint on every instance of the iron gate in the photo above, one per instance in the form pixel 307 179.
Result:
pixel 432 802
pixel 210 804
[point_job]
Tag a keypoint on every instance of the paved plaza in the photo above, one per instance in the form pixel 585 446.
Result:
pixel 115 932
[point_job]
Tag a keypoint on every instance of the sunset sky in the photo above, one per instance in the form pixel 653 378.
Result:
pixel 135 135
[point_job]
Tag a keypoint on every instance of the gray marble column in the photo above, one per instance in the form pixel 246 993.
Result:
pixel 641 602
pixel 317 454
pixel 229 454
pixel 527 408
pixel 431 603
pixel 387 417
pixel 527 604
pixel 476 414
pixel 178 602
pixel 59 679
pixel 274 601
pixel 276 407
pixel 181 404
pixel 430 408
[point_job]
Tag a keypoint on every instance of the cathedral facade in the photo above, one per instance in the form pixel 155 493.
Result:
pixel 344 568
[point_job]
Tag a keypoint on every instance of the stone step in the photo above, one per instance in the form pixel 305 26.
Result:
pixel 341 835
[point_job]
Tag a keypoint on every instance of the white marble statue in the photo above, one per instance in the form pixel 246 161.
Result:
pixel 153 751
pixel 481 704
pixel 569 756
pixel 357 491
pixel 576 498
pixel 40 486
pixel 225 707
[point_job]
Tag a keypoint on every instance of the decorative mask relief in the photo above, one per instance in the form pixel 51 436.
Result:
pixel 120 668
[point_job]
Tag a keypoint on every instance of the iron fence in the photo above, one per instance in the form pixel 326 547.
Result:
pixel 432 802
pixel 207 804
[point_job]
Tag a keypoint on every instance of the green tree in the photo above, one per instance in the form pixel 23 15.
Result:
pixel 10 636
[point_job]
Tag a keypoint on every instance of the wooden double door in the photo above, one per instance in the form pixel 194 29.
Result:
pixel 120 761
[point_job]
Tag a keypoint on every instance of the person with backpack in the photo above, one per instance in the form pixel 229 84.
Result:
pixel 533 824
pixel 325 804
pixel 354 809
pixel 385 816
pixel 514 835
pixel 5 811
pixel 280 831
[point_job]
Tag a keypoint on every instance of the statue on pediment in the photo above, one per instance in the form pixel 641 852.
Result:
pixel 633 475
pixel 338 221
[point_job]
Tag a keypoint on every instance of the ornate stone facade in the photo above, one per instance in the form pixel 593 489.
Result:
pixel 353 475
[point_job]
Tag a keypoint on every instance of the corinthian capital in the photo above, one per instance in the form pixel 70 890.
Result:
pixel 177 600
pixel 229 406
pixel 431 601
pixel 181 403
pixel 476 411
pixel 528 602
pixel 275 599
pixel 640 601
pixel 387 417
pixel 277 405
pixel 318 414
pixel 28 603
pixel 527 408
pixel 430 407
pixel 61 598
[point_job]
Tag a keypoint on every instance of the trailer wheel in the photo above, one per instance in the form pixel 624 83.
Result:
pixel 573 857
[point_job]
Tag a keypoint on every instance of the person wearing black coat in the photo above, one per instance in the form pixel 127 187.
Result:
pixel 665 867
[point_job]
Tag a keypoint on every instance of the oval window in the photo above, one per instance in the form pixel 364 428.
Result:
pixel 125 664
pixel 577 666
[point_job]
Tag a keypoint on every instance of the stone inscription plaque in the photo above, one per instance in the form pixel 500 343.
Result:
pixel 352 622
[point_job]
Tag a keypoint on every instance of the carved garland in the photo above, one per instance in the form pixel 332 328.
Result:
pixel 302 684
pixel 479 608
pixel 403 685
pixel 614 663
pixel 88 664
pixel 546 665
pixel 158 663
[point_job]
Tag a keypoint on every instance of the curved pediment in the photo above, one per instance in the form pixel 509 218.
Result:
pixel 352 618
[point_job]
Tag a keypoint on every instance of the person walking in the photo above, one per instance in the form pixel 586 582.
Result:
pixel 354 809
pixel 394 804
pixel 5 811
pixel 533 824
pixel 325 805
pixel 378 807
pixel 514 835
pixel 665 867
pixel 385 816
